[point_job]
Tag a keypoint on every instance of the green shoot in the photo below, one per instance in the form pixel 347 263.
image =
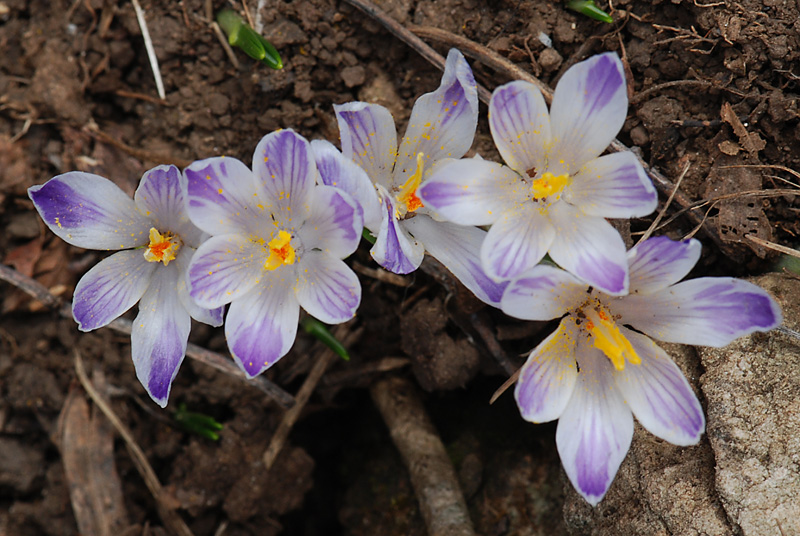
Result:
pixel 321 333
pixel 590 9
pixel 243 36
pixel 366 235
pixel 197 423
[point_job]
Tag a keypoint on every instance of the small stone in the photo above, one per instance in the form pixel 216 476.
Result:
pixel 639 136
pixel 550 59
pixel 354 76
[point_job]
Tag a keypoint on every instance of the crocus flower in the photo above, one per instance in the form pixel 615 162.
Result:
pixel 386 178
pixel 557 190
pixel 600 365
pixel 277 243
pixel 156 240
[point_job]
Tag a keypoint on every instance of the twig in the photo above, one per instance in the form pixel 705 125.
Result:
pixel 148 45
pixel 382 275
pixel 435 484
pixel 326 357
pixel 663 210
pixel 224 42
pixel 141 154
pixel 121 325
pixel 349 374
pixel 170 518
pixel 481 324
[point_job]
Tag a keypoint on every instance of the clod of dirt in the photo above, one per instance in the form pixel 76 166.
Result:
pixel 753 391
pixel 21 467
pixel 438 361
pixel 56 83
pixel 550 59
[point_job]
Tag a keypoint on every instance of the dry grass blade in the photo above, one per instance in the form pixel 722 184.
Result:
pixel 148 45
pixel 773 246
pixel 663 210
pixel 170 517
pixel 506 384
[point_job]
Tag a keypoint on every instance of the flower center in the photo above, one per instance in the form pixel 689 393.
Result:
pixel 280 251
pixel 607 338
pixel 408 200
pixel 162 247
pixel 548 185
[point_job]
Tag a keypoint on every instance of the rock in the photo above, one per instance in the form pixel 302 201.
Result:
pixel 550 59
pixel 354 76
pixel 753 391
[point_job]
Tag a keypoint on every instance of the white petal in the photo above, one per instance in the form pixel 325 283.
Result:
pixel 337 171
pixel 548 377
pixel 594 433
pixel 612 186
pixel 709 311
pixel 328 289
pixel 110 288
pixel 159 334
pixel 472 191
pixel 590 248
pixel 212 317
pixel 516 243
pixel 395 249
pixel 458 248
pixel 542 293
pixel 223 197
pixel 659 262
pixel 335 223
pixel 369 138
pixel 589 107
pixel 90 212
pixel 261 325
pixel 520 126
pixel 161 196
pixel 225 268
pixel 659 395
pixel 442 123
pixel 284 165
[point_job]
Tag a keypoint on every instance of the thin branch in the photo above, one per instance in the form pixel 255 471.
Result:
pixel 170 518
pixel 432 475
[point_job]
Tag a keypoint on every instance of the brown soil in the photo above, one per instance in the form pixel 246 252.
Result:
pixel 713 86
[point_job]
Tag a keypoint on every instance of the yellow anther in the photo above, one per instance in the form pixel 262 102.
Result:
pixel 548 185
pixel 409 202
pixel 280 251
pixel 607 338
pixel 162 248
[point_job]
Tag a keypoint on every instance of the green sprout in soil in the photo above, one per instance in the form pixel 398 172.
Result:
pixel 590 9
pixel 243 36
pixel 321 333
pixel 197 423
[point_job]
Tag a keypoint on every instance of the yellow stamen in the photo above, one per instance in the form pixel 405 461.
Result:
pixel 549 184
pixel 280 251
pixel 408 192
pixel 162 248
pixel 607 338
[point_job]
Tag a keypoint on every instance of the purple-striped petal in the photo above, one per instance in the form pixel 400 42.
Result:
pixel 284 164
pixel 159 334
pixel 335 224
pixel 327 288
pixel 212 317
pixel 709 311
pixel 394 248
pixel 542 293
pixel 225 268
pixel 659 262
pixel 520 126
pixel 612 186
pixel 261 325
pixel 223 197
pixel 161 197
pixel 442 123
pixel 548 377
pixel 589 107
pixel 515 243
pixel 472 191
pixel 337 171
pixel 595 430
pixel 110 288
pixel 458 248
pixel 590 248
pixel 659 395
pixel 369 138
pixel 90 212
